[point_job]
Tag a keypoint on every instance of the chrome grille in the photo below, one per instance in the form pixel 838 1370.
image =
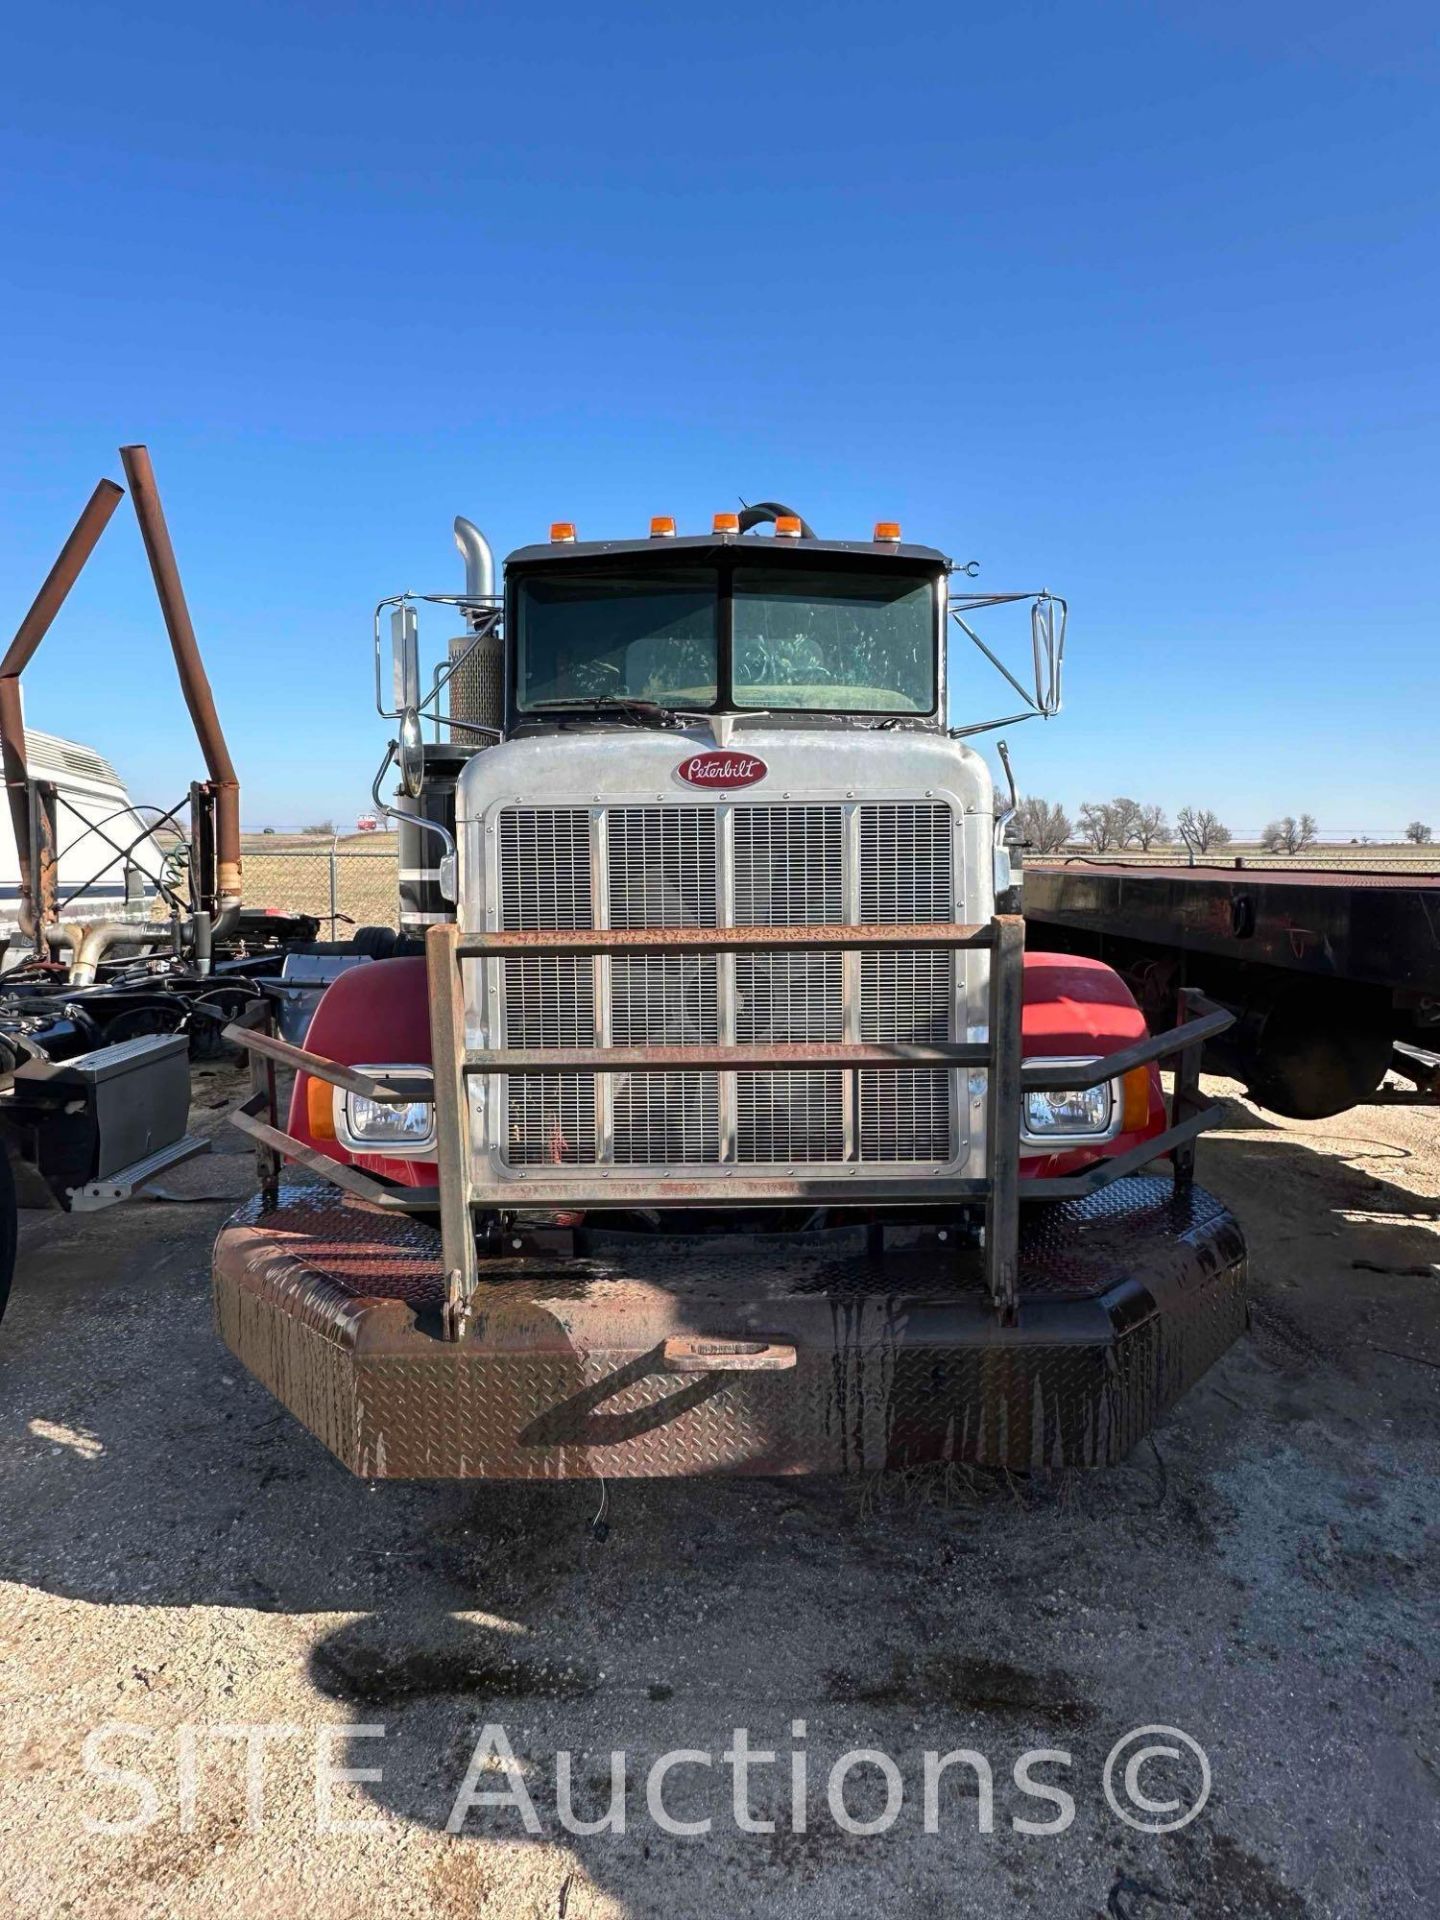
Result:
pixel 907 873
pixel 549 999
pixel 906 863
pixel 789 866
pixel 665 1119
pixel 662 871
pixel 789 872
pixel 545 867
pixel 550 1119
pixel 748 865
pixel 662 867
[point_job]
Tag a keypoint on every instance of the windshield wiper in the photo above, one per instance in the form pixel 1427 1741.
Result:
pixel 649 713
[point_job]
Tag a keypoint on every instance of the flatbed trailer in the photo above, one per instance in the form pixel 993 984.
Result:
pixel 1334 976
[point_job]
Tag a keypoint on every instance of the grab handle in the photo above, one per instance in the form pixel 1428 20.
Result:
pixel 700 1353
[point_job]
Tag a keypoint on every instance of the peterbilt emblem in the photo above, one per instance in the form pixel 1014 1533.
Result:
pixel 721 769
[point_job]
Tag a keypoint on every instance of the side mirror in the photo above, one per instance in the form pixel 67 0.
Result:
pixel 1047 639
pixel 410 753
pixel 405 659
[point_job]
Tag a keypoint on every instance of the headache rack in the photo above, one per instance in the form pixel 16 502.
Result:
pixel 998 1190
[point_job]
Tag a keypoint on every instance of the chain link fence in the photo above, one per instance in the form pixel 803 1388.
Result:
pixel 342 886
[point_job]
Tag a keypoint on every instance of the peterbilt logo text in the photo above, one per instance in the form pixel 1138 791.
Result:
pixel 719 769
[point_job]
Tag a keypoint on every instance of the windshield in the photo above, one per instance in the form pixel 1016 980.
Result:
pixel 595 636
pixel 843 640
pixel 834 642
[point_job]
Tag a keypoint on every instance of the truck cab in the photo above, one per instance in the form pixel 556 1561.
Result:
pixel 729 730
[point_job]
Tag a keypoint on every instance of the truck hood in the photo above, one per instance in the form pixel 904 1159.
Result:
pixel 762 765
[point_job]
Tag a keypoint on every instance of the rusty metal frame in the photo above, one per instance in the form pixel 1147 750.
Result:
pixel 194 682
pixel 999 1189
pixel 35 846
pixel 588 942
pixel 40 879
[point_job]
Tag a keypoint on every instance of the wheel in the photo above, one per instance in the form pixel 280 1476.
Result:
pixel 137 1023
pixel 378 942
pixel 1320 1052
pixel 207 1034
pixel 9 1228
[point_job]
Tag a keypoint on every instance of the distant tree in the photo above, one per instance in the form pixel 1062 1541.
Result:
pixel 1042 824
pixel 1418 834
pixel 1126 815
pixel 1098 826
pixel 1290 835
pixel 1202 828
pixel 321 826
pixel 1151 827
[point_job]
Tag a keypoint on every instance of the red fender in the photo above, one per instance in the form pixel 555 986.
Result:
pixel 373 1015
pixel 377 1014
pixel 1076 1008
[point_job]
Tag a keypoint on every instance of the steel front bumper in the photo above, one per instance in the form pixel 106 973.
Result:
pixel 574 1368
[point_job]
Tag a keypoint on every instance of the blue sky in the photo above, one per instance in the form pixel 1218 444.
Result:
pixel 1135 302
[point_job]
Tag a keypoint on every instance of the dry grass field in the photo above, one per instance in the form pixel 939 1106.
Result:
pixel 293 871
pixel 352 877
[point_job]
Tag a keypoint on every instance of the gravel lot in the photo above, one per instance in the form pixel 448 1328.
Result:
pixel 177 1555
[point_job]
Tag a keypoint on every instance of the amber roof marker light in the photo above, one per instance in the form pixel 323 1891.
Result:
pixel 726 523
pixel 787 526
pixel 562 532
pixel 662 527
pixel 887 533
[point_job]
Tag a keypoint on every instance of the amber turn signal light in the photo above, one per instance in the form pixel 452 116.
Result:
pixel 320 1109
pixel 1135 1091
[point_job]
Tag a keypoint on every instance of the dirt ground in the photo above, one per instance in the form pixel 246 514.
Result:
pixel 179 1558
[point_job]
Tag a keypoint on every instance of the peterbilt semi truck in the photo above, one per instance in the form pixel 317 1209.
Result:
pixel 717 1118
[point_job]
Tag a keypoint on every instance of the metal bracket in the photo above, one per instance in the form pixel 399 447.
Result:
pixel 121 1185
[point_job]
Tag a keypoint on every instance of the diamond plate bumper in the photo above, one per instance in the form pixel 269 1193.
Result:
pixel 1126 1297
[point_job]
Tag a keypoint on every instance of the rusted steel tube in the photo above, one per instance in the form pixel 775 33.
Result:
pixel 416 1084
pixel 28 635
pixel 773 1057
pixel 193 681
pixel 626 940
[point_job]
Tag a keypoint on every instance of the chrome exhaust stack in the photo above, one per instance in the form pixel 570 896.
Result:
pixel 479 559
pixel 477 678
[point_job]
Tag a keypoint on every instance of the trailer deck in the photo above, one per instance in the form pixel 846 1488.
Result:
pixel 1333 976
pixel 1381 929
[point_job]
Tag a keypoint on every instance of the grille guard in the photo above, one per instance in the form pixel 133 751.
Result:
pixel 1008 1077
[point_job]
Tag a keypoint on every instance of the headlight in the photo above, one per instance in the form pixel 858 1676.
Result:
pixel 1087 1114
pixel 378 1126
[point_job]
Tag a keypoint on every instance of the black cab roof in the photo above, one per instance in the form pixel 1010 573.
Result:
pixel 765 548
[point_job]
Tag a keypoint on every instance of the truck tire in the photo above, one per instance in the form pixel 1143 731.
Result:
pixel 1319 1052
pixel 378 942
pixel 9 1228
